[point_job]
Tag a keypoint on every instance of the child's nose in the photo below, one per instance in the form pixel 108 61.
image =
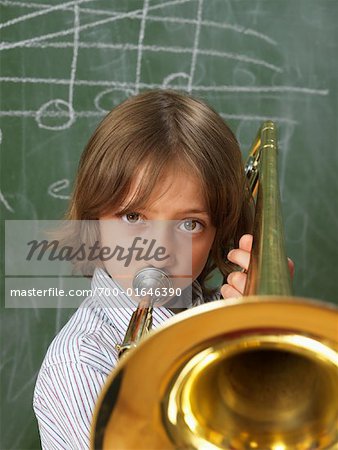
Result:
pixel 164 250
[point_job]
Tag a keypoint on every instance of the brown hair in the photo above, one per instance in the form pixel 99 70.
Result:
pixel 155 129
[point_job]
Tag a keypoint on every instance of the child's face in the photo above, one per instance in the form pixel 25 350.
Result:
pixel 177 214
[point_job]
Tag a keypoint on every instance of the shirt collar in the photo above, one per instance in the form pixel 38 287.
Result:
pixel 118 306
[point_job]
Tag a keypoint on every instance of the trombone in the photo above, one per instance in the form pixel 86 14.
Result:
pixel 259 372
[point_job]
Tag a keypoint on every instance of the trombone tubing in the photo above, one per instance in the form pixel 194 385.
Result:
pixel 268 272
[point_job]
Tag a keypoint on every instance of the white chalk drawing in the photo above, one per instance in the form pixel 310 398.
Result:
pixel 57 104
pixel 5 203
pixel 195 46
pixel 55 108
pixel 100 98
pixel 2 198
pixel 45 10
pixel 140 45
pixel 199 88
pixel 58 114
pixel 58 186
pixel 174 76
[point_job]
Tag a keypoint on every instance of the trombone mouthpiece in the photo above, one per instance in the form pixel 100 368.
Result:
pixel 152 278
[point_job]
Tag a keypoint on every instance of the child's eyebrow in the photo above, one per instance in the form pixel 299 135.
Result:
pixel 182 212
pixel 192 211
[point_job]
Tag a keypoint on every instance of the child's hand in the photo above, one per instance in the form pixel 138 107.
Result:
pixel 241 256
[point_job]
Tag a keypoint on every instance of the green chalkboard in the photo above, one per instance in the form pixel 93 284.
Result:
pixel 65 64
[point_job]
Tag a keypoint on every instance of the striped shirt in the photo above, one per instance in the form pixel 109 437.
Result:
pixel 79 360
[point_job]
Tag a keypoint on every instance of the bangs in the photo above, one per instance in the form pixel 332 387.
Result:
pixel 150 176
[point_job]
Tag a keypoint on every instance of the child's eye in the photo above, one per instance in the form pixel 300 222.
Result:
pixel 132 217
pixel 191 226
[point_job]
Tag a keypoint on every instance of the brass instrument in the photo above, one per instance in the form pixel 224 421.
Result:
pixel 254 373
pixel 141 320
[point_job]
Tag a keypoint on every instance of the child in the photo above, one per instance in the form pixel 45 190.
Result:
pixel 159 156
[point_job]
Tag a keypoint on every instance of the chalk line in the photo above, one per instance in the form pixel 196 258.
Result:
pixel 240 29
pixel 101 112
pixel 5 203
pixel 195 51
pixel 238 57
pixel 195 45
pixel 173 76
pixel 56 187
pixel 24 4
pixel 31 113
pixel 6 45
pixel 202 88
pixel 40 13
pixel 34 42
pixel 59 103
pixel 140 43
pixel 267 89
pixel 155 48
pixel 75 54
pixel 2 198
pixel 258 118
pixel 99 96
pixel 99 11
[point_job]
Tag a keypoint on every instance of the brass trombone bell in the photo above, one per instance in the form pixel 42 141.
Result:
pixel 263 376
